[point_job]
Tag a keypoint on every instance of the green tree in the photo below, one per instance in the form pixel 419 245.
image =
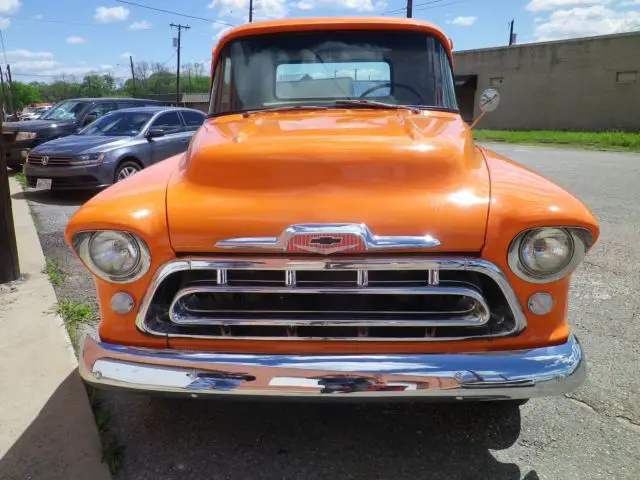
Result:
pixel 24 94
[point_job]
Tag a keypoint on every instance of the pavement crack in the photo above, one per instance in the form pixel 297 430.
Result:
pixel 583 403
pixel 629 423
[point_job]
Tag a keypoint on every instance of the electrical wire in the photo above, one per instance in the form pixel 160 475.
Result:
pixel 176 13
pixel 425 6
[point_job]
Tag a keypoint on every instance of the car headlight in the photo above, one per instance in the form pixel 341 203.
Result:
pixel 113 255
pixel 20 136
pixel 87 159
pixel 544 255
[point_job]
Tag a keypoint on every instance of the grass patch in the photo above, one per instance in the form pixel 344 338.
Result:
pixel 623 141
pixel 75 315
pixel 112 450
pixel 22 180
pixel 53 269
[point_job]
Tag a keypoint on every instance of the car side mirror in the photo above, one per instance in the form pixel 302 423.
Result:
pixel 155 133
pixel 489 101
pixel 89 118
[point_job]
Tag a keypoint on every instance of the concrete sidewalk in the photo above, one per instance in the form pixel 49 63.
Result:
pixel 46 424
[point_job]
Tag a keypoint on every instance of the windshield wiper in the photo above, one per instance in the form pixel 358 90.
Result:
pixel 373 104
pixel 284 109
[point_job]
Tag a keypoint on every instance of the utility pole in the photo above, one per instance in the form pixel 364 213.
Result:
pixel 409 8
pixel 250 11
pixel 9 266
pixel 180 28
pixel 133 75
pixel 10 88
pixel 4 108
pixel 511 32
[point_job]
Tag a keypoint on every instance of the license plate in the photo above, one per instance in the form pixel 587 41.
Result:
pixel 44 183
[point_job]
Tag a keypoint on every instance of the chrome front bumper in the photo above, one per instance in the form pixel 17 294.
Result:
pixel 474 376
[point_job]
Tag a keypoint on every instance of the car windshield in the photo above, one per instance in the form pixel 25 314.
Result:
pixel 68 110
pixel 118 124
pixel 392 68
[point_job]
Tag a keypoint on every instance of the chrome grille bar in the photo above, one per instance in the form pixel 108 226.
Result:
pixel 476 315
pixel 148 321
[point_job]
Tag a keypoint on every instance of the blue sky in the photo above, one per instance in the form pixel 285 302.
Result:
pixel 46 38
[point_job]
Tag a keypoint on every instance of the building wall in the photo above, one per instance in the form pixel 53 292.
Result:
pixel 581 84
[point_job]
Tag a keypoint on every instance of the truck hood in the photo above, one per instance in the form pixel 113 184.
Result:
pixel 39 125
pixel 397 172
pixel 78 144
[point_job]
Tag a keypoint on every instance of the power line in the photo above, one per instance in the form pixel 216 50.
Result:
pixel 176 13
pixel 403 9
pixel 425 6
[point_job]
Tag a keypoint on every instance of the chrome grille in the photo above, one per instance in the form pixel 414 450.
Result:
pixel 381 299
pixel 52 161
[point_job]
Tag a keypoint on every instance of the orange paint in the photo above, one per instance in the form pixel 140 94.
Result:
pixel 400 173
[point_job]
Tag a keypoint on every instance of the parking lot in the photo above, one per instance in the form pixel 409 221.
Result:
pixel 592 433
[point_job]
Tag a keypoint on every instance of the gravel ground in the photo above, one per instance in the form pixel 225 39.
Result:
pixel 593 433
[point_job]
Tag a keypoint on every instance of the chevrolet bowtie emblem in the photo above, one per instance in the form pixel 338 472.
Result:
pixel 326 241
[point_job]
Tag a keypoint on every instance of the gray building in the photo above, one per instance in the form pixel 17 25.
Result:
pixel 589 84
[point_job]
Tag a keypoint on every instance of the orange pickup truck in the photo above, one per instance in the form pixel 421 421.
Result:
pixel 333 231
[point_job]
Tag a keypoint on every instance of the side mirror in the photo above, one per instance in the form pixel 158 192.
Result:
pixel 489 101
pixel 89 118
pixel 155 133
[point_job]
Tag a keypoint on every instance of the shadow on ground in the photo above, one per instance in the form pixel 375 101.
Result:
pixel 60 443
pixel 178 439
pixel 53 197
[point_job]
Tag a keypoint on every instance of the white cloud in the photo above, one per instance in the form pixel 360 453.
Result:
pixel 630 3
pixel 73 40
pixel 26 60
pixel 106 67
pixel 37 17
pixel 537 5
pixel 585 22
pixel 143 25
pixel 8 7
pixel 127 55
pixel 262 9
pixel 463 21
pixel 305 5
pixel 4 23
pixel 111 14
pixel 356 5
pixel 216 38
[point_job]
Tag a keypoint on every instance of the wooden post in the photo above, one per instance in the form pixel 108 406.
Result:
pixel 9 267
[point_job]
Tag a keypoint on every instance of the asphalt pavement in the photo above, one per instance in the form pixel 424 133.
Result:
pixel 592 433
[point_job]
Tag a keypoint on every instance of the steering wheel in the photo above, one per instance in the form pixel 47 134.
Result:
pixel 369 91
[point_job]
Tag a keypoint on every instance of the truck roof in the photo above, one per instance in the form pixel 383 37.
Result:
pixel 332 23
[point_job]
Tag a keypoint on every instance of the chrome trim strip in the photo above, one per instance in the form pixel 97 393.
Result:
pixel 363 278
pixel 475 319
pixel 512 374
pixel 471 264
pixel 370 241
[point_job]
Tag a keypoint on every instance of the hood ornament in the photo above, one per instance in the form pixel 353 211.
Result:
pixel 329 238
pixel 44 161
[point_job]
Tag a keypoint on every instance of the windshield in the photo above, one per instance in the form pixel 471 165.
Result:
pixel 319 69
pixel 68 110
pixel 118 124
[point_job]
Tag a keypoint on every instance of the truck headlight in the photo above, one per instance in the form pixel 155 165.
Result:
pixel 21 136
pixel 113 255
pixel 88 159
pixel 544 255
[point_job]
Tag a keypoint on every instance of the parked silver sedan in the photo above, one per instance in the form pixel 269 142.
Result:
pixel 112 148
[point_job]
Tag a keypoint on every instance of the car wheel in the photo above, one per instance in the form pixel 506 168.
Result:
pixel 126 169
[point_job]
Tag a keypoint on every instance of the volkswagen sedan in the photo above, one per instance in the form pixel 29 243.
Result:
pixel 112 148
